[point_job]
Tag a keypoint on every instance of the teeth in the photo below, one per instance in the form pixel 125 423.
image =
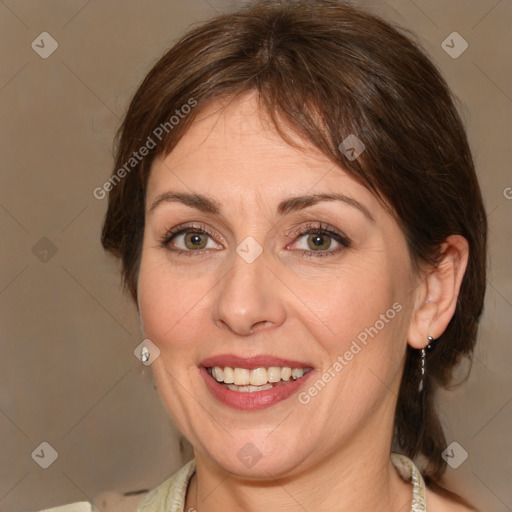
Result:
pixel 274 374
pixel 260 388
pixel 249 389
pixel 257 379
pixel 297 373
pixel 242 376
pixel 229 375
pixel 286 373
pixel 218 374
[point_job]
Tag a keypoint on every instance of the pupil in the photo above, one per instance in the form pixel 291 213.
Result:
pixel 319 241
pixel 193 240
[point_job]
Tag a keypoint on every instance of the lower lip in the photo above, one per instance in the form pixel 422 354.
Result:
pixel 257 399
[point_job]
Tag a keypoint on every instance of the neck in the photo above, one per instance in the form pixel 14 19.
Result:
pixel 358 478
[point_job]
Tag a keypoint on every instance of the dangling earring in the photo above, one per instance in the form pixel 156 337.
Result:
pixel 423 360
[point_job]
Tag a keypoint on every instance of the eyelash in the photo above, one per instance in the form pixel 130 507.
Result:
pixel 320 229
pixel 309 229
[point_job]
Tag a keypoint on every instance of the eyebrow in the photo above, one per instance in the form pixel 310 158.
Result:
pixel 209 205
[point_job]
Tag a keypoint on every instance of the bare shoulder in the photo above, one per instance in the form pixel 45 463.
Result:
pixel 438 503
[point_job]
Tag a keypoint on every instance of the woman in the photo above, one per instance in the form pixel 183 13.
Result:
pixel 298 218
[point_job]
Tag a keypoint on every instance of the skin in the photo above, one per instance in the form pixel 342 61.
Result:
pixel 333 452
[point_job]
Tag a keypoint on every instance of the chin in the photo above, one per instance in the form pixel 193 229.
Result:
pixel 258 455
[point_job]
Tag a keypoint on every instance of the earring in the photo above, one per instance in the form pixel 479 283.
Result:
pixel 144 354
pixel 423 360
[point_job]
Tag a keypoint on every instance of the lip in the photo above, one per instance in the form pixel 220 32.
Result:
pixel 256 400
pixel 251 362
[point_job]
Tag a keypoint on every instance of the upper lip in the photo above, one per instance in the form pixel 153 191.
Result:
pixel 251 362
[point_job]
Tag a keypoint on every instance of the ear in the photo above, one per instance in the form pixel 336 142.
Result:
pixel 437 292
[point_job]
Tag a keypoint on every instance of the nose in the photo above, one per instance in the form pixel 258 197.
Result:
pixel 248 298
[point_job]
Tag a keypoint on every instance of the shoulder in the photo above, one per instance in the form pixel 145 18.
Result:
pixel 105 502
pixel 438 503
pixel 79 506
pixel 117 502
pixel 169 495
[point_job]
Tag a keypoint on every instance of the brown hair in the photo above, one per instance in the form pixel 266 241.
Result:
pixel 328 70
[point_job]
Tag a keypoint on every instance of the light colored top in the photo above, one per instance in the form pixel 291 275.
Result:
pixel 82 506
pixel 170 495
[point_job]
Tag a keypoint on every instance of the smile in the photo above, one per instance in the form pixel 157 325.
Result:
pixel 255 382
pixel 244 380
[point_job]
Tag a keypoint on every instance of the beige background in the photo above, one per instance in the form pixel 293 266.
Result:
pixel 67 369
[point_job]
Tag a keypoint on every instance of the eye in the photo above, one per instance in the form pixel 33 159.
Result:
pixel 189 239
pixel 314 240
pixel 317 240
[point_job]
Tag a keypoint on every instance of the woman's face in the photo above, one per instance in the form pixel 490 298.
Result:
pixel 260 257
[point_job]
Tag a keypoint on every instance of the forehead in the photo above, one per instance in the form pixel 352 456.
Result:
pixel 230 130
pixel 232 150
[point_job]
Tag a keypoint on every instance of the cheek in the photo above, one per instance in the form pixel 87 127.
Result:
pixel 346 301
pixel 171 304
pixel 358 317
